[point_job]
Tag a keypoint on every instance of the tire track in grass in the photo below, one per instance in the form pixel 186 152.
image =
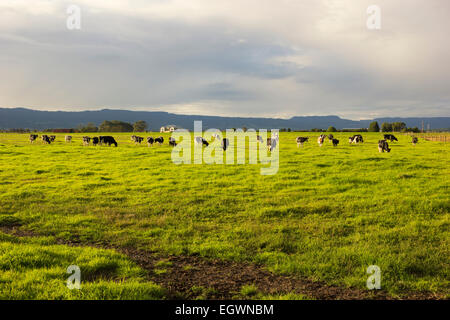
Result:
pixel 225 279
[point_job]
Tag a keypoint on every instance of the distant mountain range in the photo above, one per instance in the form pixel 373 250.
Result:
pixel 33 119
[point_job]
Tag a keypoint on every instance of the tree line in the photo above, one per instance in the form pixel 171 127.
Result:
pixel 373 127
pixel 114 126
pixel 391 127
pixel 105 126
pixel 141 126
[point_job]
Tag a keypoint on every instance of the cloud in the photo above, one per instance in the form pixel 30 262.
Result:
pixel 230 57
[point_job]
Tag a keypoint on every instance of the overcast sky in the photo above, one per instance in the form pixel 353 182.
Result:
pixel 277 58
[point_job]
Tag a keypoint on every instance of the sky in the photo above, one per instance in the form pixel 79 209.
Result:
pixel 278 58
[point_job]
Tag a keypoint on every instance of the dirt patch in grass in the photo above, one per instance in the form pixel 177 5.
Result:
pixel 16 231
pixel 225 279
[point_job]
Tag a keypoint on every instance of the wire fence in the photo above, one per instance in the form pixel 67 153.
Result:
pixel 431 137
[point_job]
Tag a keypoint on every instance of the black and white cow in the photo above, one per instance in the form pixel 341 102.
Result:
pixel 68 139
pixel 172 142
pixel 320 139
pixel 335 142
pixel 357 138
pixel 390 137
pixel 150 141
pixel 33 137
pixel 301 140
pixel 225 143
pixel 159 140
pixel 201 140
pixel 107 140
pixel 259 139
pixel 86 140
pixel 52 138
pixel 95 141
pixel 46 139
pixel 272 143
pixel 137 139
pixel 383 146
pixel 414 140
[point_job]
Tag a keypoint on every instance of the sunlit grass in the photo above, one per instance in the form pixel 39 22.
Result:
pixel 327 214
pixel 30 269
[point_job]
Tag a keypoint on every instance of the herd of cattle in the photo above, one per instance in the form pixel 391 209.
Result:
pixel 86 140
pixel 271 142
pixel 357 138
pixel 151 140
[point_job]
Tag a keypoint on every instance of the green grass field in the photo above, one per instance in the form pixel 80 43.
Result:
pixel 326 215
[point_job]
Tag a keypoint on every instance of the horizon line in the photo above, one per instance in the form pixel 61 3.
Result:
pixel 220 116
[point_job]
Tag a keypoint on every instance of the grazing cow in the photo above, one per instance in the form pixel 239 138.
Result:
pixel 275 137
pixel 68 139
pixel 355 139
pixel 198 140
pixel 33 137
pixel 137 139
pixel 95 141
pixel 272 143
pixel 414 140
pixel 321 139
pixel 301 140
pixel 160 140
pixel 330 137
pixel 150 141
pixel 201 140
pixel 107 140
pixel 260 139
pixel 335 142
pixel 172 142
pixel 390 137
pixel 225 143
pixel 46 139
pixel 383 146
pixel 52 138
pixel 86 140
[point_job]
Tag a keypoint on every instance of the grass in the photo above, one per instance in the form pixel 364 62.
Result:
pixel 251 292
pixel 33 270
pixel 201 293
pixel 327 214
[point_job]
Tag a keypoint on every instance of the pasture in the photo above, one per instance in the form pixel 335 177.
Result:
pixel 134 222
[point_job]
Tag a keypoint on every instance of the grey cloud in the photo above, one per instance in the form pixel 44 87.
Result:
pixel 153 61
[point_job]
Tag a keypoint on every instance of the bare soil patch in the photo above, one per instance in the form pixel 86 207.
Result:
pixel 227 278
pixel 224 279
